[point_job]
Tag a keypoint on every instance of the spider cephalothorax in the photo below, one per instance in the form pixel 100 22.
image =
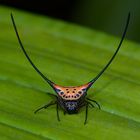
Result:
pixel 71 99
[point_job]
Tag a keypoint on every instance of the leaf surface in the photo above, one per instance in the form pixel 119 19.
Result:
pixel 69 55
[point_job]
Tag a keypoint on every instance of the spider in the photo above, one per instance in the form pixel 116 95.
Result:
pixel 71 98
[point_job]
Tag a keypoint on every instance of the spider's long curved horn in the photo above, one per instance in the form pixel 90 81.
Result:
pixel 103 70
pixel 33 65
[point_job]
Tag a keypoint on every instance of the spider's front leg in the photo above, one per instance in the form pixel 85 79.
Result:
pixel 45 106
pixel 94 102
pixel 87 103
pixel 51 94
pixel 86 115
pixel 57 110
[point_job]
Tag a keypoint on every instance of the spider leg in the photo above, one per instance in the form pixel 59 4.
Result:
pixel 57 105
pixel 90 104
pixel 86 115
pixel 45 106
pixel 51 94
pixel 64 112
pixel 94 102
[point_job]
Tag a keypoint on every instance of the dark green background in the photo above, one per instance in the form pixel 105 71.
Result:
pixel 109 15
pixel 103 15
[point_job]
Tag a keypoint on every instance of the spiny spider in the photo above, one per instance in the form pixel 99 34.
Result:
pixel 70 99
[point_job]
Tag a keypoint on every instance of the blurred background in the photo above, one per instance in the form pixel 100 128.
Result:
pixel 107 15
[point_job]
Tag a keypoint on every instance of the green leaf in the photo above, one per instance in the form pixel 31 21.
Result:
pixel 69 55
